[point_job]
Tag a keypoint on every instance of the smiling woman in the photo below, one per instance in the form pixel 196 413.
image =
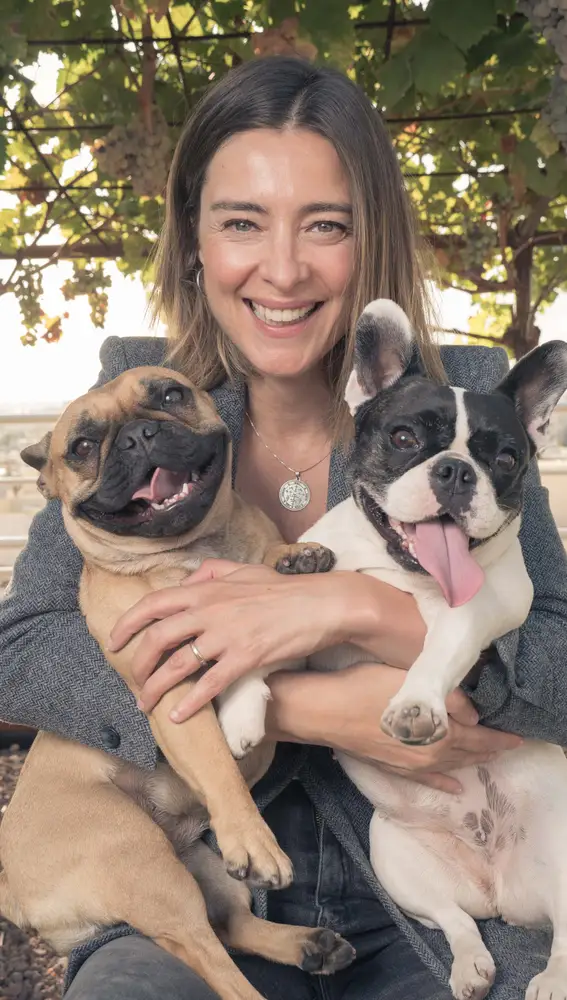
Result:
pixel 286 215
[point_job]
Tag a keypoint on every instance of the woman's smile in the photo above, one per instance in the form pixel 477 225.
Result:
pixel 283 320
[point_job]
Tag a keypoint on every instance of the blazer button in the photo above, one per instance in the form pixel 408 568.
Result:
pixel 110 738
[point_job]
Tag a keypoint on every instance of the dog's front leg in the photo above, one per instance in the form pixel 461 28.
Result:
pixel 417 713
pixel 242 707
pixel 454 641
pixel 198 752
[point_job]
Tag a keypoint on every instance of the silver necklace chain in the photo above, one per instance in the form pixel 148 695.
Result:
pixel 294 493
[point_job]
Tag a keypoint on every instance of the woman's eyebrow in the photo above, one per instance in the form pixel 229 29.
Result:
pixel 238 206
pixel 329 206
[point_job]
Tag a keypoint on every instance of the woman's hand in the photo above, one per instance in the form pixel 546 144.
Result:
pixel 239 617
pixel 343 709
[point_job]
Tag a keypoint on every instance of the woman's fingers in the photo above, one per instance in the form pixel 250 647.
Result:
pixel 161 637
pixel 436 779
pixel 482 739
pixel 221 569
pixel 176 669
pixel 461 708
pixel 209 686
pixel 154 606
pixel 212 569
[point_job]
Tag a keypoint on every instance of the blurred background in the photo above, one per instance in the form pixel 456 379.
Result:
pixel 92 98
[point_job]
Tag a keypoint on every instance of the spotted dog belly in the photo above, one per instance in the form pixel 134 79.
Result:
pixel 487 837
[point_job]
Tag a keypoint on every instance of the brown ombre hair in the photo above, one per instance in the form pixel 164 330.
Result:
pixel 279 93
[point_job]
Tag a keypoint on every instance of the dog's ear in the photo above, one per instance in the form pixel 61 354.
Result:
pixel 382 352
pixel 37 455
pixel 535 386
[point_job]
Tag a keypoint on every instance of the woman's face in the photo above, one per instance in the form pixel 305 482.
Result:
pixel 275 242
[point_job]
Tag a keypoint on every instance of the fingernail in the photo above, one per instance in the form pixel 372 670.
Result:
pixel 140 705
pixel 174 716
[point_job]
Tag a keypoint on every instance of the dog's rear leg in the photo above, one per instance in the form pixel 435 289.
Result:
pixel 228 905
pixel 548 885
pixel 132 874
pixel 171 910
pixel 316 949
pixel 422 886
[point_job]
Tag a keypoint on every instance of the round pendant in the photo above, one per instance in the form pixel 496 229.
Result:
pixel 294 494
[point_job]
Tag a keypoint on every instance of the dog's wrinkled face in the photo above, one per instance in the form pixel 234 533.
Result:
pixel 143 455
pixel 439 470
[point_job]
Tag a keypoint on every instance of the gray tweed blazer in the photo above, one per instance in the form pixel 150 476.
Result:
pixel 54 677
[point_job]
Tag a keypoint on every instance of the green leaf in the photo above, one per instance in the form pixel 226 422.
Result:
pixel 463 21
pixel 544 181
pixel 281 9
pixel 395 79
pixel 330 28
pixel 434 61
pixel 544 138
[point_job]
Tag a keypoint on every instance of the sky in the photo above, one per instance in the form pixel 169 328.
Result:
pixel 49 375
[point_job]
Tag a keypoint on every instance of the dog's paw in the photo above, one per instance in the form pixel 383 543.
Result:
pixel 255 856
pixel 472 975
pixel 415 721
pixel 325 952
pixel 551 984
pixel 303 557
pixel 242 717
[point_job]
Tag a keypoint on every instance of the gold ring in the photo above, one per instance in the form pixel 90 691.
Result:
pixel 198 655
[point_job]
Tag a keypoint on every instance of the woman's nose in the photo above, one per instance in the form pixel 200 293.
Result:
pixel 283 263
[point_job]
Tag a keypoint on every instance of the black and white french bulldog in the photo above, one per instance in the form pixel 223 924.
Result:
pixel 435 511
pixel 437 483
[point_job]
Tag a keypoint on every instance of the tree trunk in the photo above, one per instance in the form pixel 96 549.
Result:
pixel 522 335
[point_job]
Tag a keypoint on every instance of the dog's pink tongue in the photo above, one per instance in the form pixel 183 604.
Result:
pixel 442 548
pixel 164 484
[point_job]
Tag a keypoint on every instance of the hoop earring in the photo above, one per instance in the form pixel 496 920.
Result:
pixel 198 280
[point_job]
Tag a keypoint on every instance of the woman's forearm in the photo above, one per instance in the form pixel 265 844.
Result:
pixel 383 621
pixel 340 709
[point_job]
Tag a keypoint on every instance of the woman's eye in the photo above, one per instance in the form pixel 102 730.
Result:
pixel 328 228
pixel 506 460
pixel 82 447
pixel 404 439
pixel 173 396
pixel 239 225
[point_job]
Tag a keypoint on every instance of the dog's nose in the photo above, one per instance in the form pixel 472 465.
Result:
pixel 455 476
pixel 135 433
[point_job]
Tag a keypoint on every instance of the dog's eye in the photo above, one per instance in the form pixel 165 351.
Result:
pixel 404 439
pixel 506 460
pixel 82 447
pixel 173 396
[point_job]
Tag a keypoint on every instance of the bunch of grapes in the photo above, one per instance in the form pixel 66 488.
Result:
pixel 28 289
pixel 89 280
pixel 132 152
pixel 550 18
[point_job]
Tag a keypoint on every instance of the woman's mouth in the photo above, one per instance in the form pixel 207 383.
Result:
pixel 285 317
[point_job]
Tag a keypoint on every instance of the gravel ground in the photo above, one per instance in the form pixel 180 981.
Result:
pixel 29 969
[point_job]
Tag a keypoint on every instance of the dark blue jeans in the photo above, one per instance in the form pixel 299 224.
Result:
pixel 328 891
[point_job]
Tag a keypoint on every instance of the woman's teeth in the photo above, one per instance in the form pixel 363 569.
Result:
pixel 279 317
